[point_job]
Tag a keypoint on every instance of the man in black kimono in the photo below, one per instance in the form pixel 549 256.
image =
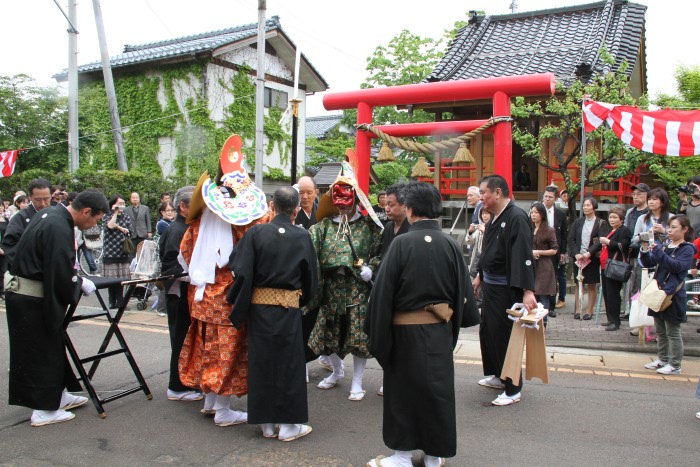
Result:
pixel 506 276
pixel 275 269
pixel 40 285
pixel 309 202
pixel 415 311
pixel 177 306
pixel 39 191
pixel 396 212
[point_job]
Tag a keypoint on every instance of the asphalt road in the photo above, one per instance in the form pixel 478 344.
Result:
pixel 577 419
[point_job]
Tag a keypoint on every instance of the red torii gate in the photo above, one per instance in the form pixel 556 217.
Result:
pixel 499 90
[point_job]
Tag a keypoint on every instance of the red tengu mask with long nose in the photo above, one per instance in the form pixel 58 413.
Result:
pixel 343 196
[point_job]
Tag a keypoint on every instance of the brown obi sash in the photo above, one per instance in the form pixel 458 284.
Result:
pixel 275 297
pixel 430 314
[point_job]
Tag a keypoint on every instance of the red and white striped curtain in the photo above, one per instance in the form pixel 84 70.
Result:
pixel 665 132
pixel 7 162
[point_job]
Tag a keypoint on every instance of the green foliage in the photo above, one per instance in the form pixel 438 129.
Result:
pixel 31 116
pixel 611 160
pixel 274 173
pixel 389 173
pixel 330 149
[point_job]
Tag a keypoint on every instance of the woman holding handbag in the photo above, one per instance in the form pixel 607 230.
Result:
pixel 614 246
pixel 117 228
pixel 672 263
pixel 585 232
pixel 544 245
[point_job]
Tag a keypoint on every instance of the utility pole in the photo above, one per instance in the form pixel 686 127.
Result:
pixel 73 141
pixel 109 87
pixel 260 96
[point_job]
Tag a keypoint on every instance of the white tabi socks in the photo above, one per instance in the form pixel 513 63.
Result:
pixel 209 401
pixel 399 459
pixel 225 416
pixel 337 375
pixel 356 392
pixel 432 461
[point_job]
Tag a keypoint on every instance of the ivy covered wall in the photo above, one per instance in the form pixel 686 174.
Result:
pixel 176 119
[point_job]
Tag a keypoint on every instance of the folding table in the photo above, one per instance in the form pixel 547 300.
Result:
pixel 113 331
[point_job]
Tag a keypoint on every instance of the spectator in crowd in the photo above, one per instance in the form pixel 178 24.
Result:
pixel 585 232
pixel 21 202
pixel 167 214
pixel 557 220
pixel 563 201
pixel 117 226
pixel 308 193
pixel 6 206
pixel 165 197
pixel 140 216
pixel 58 195
pixel 40 196
pixel 380 207
pixel 672 263
pixel 176 296
pixel 522 179
pixel 615 245
pixel 12 208
pixel 692 209
pixel 682 199
pixel 475 240
pixel 544 246
pixel 656 219
pixel 474 201
pixel 507 276
pixel 640 193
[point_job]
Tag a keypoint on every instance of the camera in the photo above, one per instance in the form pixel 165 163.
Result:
pixel 644 236
pixel 684 189
pixel 119 208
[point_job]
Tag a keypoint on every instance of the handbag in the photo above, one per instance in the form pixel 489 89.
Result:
pixel 618 270
pixel 128 246
pixel 638 314
pixel 654 297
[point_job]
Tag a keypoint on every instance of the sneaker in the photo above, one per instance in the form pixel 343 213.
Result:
pixel 552 314
pixel 185 396
pixel 503 400
pixel 48 417
pixel 697 415
pixel 161 313
pixel 669 369
pixel 492 382
pixel 655 365
pixel 560 304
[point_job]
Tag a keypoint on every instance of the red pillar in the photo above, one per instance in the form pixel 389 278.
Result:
pixel 362 148
pixel 502 139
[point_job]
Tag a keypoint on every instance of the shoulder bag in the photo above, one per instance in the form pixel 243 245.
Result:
pixel 128 246
pixel 618 270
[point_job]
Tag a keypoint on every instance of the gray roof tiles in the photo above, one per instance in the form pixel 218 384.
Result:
pixel 555 40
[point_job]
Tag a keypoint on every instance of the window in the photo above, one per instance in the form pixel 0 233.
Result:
pixel 275 98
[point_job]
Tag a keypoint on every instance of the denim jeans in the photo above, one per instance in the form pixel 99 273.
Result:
pixel 561 279
pixel 88 257
pixel 669 342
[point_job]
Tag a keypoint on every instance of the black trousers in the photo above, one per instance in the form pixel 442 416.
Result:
pixel 495 329
pixel 611 295
pixel 178 324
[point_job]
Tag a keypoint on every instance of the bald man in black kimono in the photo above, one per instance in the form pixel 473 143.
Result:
pixel 275 265
pixel 506 276
pixel 413 319
pixel 40 285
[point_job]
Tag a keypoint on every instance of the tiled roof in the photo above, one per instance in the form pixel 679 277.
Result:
pixel 327 173
pixel 182 46
pixel 318 127
pixel 555 40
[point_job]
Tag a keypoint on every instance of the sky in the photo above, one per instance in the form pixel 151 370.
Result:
pixel 336 37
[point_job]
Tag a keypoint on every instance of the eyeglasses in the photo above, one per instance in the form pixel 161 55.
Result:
pixel 169 210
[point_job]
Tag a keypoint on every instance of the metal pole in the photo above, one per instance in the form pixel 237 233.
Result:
pixel 295 125
pixel 583 155
pixel 109 88
pixel 73 141
pixel 260 97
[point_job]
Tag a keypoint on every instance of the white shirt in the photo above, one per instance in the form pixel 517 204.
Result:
pixel 550 216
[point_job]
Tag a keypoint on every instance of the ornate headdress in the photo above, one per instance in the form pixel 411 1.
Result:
pixel 233 196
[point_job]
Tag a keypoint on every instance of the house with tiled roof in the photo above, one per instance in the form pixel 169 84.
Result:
pixel 198 71
pixel 564 41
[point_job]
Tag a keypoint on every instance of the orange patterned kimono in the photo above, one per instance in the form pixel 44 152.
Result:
pixel 214 357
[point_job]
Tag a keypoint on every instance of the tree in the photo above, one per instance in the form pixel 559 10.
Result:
pixel 608 158
pixel 35 118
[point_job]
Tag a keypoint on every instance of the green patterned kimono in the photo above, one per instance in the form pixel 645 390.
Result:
pixel 342 295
